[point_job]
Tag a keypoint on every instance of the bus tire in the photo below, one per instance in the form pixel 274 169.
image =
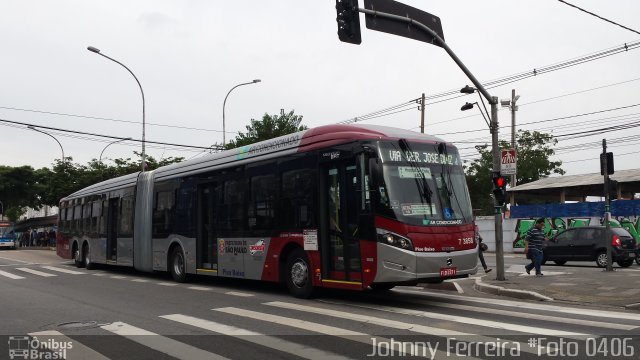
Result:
pixel 86 257
pixel 78 260
pixel 177 266
pixel 298 275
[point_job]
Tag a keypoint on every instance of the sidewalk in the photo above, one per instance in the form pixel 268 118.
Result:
pixel 576 282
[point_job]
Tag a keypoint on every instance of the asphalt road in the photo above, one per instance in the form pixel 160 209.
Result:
pixel 122 314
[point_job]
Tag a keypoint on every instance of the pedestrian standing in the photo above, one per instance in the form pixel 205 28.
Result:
pixel 533 247
pixel 482 247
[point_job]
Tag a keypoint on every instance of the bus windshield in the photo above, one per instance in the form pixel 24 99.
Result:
pixel 423 184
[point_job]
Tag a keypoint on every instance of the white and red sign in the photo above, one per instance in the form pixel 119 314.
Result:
pixel 508 162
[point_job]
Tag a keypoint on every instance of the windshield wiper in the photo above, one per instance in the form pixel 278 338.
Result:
pixel 421 181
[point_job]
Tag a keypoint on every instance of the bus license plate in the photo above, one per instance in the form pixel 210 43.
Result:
pixel 448 272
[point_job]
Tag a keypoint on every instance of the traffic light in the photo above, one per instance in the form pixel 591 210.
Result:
pixel 348 21
pixel 499 188
pixel 609 160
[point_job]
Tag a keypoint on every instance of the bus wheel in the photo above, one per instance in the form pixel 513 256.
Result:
pixel 77 256
pixel 177 267
pixel 86 257
pixel 299 275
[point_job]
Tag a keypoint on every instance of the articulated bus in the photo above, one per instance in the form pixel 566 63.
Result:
pixel 338 206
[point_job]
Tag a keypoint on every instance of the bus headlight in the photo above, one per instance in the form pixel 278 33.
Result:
pixel 393 239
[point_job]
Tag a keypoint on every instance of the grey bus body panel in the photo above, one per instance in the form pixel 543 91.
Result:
pixel 125 251
pixel 398 265
pixel 161 254
pixel 142 250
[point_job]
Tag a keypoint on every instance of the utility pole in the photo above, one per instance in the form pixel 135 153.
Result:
pixel 498 208
pixel 514 108
pixel 422 104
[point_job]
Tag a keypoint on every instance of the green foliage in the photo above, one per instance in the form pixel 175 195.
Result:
pixel 269 127
pixel 22 187
pixel 534 152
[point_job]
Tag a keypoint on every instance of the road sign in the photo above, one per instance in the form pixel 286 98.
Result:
pixel 508 162
pixel 401 28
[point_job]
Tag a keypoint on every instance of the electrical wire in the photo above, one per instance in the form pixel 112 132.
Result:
pixel 598 16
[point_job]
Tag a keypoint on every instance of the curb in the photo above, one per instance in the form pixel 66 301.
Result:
pixel 520 294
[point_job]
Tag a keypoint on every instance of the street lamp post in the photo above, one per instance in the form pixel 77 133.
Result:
pixel 224 139
pixel 109 144
pixel 40 131
pixel 97 51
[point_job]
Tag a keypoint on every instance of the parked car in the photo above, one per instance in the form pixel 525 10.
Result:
pixel 589 243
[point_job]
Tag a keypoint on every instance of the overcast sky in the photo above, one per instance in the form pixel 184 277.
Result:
pixel 189 54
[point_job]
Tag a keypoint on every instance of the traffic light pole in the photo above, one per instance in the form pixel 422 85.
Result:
pixel 494 120
pixel 607 205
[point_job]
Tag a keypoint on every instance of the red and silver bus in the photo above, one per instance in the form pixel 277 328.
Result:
pixel 338 206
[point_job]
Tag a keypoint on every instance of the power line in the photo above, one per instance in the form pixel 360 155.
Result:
pixel 598 16
pixel 100 135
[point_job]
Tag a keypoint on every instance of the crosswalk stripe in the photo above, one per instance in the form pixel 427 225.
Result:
pixel 525 315
pixel 66 271
pixel 531 306
pixel 160 343
pixel 241 294
pixel 319 328
pixel 78 351
pixel 255 337
pixel 36 272
pixel 369 319
pixel 10 275
pixel 422 329
pixel 200 288
pixel 117 277
pixel 472 321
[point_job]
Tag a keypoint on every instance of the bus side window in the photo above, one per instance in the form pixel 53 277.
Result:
pixel 297 199
pixel 261 212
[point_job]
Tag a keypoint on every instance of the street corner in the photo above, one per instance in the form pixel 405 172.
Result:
pixel 508 288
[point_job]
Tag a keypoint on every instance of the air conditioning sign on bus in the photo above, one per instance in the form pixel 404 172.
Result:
pixel 508 162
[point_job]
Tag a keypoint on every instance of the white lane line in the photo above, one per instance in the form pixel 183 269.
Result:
pixel 272 342
pixel 76 351
pixel 472 321
pixel 66 271
pixel 531 306
pixel 99 274
pixel 458 287
pixel 235 293
pixel 525 315
pixel 140 280
pixel 36 272
pixel 160 343
pixel 10 275
pixel 199 288
pixel 117 277
pixel 167 284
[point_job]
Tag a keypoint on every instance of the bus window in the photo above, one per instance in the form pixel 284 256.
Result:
pixel 296 199
pixel 261 211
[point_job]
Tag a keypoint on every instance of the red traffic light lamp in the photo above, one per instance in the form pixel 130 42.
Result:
pixel 499 188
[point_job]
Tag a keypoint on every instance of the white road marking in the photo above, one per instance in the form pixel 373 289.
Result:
pixel 525 315
pixel 117 277
pixel 532 306
pixel 66 271
pixel 255 337
pixel 10 275
pixel 473 321
pixel 78 351
pixel 140 280
pixel 235 293
pixel 160 343
pixel 458 287
pixel 99 274
pixel 36 272
pixel 167 284
pixel 422 329
pixel 315 327
pixel 10 259
pixel 200 288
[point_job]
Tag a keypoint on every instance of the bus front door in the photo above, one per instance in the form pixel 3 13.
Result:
pixel 206 238
pixel 341 241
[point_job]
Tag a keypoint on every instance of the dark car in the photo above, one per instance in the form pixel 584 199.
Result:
pixel 589 243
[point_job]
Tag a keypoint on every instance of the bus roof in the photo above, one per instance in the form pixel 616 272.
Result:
pixel 319 137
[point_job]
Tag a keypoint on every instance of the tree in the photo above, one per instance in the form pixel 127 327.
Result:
pixel 269 127
pixel 534 150
pixel 18 190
